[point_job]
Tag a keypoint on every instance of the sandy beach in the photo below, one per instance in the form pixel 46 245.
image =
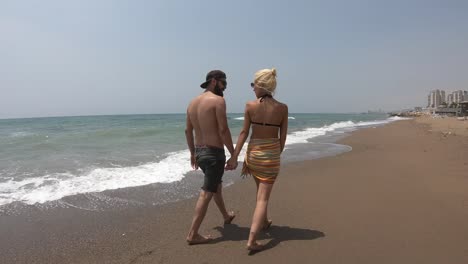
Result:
pixel 446 125
pixel 400 196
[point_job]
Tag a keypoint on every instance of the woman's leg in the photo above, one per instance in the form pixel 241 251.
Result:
pixel 259 216
pixel 266 222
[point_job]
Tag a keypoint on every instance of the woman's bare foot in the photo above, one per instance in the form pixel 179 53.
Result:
pixel 231 217
pixel 255 247
pixel 199 239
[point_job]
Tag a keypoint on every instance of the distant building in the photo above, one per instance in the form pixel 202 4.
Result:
pixel 460 96
pixel 436 98
pixel 450 99
pixel 464 108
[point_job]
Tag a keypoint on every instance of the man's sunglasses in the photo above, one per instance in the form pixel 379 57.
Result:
pixel 223 82
pixel 252 85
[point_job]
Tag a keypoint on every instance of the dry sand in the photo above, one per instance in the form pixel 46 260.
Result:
pixel 400 196
pixel 446 125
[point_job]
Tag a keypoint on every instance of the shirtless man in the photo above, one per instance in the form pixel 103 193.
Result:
pixel 206 114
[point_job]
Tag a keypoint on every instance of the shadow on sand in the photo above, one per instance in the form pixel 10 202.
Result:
pixel 277 234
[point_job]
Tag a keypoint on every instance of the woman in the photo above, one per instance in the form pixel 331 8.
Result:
pixel 269 120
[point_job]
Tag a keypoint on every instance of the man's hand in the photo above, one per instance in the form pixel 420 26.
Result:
pixel 231 164
pixel 193 162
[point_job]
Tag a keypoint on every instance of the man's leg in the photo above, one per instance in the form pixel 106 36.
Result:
pixel 200 212
pixel 218 197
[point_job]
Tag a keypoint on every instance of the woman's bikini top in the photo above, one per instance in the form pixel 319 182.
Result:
pixel 264 124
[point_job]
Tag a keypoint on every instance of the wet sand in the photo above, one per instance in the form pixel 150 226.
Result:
pixel 400 196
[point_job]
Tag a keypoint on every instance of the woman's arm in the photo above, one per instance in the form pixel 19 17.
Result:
pixel 284 128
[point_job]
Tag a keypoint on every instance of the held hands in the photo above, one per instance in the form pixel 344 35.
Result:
pixel 193 162
pixel 231 164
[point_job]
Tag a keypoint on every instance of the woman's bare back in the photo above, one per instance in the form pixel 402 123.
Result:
pixel 266 116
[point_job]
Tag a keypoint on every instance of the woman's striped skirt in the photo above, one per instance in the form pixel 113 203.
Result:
pixel 262 159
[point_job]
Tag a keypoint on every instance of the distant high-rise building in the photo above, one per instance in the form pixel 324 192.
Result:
pixel 449 99
pixel 436 98
pixel 459 96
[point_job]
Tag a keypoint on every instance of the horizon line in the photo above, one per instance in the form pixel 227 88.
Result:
pixel 180 113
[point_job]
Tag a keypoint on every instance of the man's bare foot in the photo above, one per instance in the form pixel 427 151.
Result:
pixel 231 217
pixel 267 224
pixel 255 247
pixel 199 239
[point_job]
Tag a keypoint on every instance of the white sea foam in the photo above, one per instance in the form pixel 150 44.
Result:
pixel 339 127
pixel 21 134
pixel 396 118
pixel 55 186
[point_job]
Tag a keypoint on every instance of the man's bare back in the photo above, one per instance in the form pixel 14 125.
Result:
pixel 203 116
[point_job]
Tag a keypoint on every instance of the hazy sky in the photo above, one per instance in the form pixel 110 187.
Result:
pixel 87 57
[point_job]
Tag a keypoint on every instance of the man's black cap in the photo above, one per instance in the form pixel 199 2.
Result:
pixel 215 74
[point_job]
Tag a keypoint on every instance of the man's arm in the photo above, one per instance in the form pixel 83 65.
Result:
pixel 223 128
pixel 190 141
pixel 244 134
pixel 232 162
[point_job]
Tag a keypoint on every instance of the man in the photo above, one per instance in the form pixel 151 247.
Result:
pixel 206 114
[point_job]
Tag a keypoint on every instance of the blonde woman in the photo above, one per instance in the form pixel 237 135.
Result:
pixel 269 120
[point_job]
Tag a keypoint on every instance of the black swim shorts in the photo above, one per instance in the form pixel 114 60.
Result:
pixel 211 160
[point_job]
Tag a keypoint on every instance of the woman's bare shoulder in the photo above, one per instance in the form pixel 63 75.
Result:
pixel 281 105
pixel 251 103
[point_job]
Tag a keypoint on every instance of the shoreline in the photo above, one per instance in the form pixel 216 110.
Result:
pixel 383 202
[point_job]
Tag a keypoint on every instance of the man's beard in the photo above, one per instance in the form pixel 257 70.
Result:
pixel 218 91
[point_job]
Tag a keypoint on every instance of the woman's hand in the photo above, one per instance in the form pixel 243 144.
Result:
pixel 231 164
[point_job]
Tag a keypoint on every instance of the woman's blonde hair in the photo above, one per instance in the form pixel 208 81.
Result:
pixel 266 80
